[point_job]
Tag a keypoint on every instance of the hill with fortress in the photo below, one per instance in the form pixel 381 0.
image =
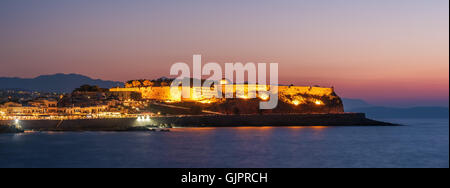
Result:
pixel 291 99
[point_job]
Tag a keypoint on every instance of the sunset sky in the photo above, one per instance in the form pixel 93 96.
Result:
pixel 387 52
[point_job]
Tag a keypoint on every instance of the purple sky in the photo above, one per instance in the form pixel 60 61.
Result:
pixel 388 52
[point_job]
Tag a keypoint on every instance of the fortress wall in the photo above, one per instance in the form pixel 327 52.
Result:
pixel 156 93
pixel 272 120
pixel 163 93
pixel 117 89
pixel 318 91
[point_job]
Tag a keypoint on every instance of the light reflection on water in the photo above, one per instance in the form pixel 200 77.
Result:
pixel 423 143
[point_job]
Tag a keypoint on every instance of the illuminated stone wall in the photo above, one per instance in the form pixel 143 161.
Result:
pixel 286 93
pixel 292 99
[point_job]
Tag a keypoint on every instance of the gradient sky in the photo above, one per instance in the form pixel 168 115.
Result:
pixel 388 52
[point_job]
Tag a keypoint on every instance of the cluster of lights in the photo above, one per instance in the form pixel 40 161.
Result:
pixel 316 102
pixel 142 118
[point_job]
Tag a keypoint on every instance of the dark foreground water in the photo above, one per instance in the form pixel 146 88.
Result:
pixel 422 143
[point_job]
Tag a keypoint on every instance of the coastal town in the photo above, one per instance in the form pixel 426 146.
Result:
pixel 86 102
pixel 147 105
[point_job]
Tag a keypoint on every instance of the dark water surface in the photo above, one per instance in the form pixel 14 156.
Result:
pixel 422 143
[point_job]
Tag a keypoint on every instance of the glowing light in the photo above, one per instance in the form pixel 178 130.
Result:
pixel 205 102
pixel 223 82
pixel 16 121
pixel 139 118
pixel 264 97
pixel 244 97
pixel 318 102
pixel 296 102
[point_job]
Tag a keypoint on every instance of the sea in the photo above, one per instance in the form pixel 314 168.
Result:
pixel 418 143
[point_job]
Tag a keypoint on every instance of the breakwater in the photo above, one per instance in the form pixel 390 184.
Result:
pixel 342 119
pixel 125 124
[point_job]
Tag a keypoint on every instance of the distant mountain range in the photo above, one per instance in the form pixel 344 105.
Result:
pixel 54 83
pixel 350 104
pixel 357 105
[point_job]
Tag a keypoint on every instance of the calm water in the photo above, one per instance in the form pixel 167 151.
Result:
pixel 422 143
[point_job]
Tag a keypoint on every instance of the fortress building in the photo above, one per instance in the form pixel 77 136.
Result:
pixel 292 99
